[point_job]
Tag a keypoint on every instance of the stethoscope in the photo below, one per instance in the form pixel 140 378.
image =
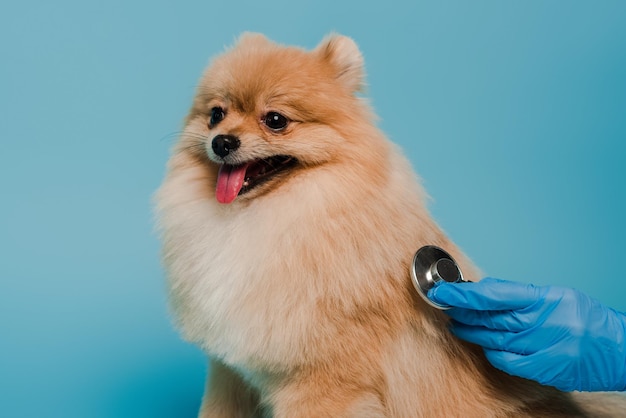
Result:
pixel 432 265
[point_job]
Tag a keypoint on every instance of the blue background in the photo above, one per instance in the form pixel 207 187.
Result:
pixel 514 114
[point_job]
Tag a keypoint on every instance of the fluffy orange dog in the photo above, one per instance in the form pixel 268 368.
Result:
pixel 289 222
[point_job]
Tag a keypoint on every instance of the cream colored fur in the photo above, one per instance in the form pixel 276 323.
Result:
pixel 299 291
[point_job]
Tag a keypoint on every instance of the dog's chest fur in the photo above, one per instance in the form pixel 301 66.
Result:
pixel 247 282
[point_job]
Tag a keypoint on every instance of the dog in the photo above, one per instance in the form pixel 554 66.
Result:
pixel 288 223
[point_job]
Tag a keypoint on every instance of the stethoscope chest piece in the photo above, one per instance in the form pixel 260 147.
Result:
pixel 431 265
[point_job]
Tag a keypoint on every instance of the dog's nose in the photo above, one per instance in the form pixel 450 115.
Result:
pixel 223 144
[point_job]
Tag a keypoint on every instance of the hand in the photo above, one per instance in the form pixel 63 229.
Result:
pixel 556 336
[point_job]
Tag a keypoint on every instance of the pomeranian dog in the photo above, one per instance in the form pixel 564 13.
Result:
pixel 288 223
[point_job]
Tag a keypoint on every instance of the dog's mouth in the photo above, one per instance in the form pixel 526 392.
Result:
pixel 235 180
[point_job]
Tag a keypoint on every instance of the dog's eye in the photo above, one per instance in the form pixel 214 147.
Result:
pixel 217 115
pixel 275 121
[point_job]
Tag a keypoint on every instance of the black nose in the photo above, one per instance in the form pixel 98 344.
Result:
pixel 223 144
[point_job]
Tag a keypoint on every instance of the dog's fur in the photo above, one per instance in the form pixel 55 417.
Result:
pixel 299 290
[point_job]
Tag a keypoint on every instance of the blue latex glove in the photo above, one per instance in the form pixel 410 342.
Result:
pixel 556 336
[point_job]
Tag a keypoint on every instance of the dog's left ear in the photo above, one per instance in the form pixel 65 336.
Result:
pixel 344 55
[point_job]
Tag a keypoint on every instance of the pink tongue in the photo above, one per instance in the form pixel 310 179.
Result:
pixel 229 181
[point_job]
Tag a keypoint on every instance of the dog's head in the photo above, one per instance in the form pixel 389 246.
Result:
pixel 263 113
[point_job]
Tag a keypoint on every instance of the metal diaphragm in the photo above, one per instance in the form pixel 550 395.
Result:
pixel 431 265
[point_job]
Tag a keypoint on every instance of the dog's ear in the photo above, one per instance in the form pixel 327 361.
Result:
pixel 344 55
pixel 252 39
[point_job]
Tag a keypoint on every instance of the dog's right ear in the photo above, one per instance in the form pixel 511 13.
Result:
pixel 344 55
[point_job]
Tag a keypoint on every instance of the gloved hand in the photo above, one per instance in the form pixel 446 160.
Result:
pixel 554 335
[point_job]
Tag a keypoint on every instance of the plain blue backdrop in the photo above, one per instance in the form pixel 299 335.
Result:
pixel 513 113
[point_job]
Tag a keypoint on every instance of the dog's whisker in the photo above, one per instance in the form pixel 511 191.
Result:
pixel 170 136
pixel 198 147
